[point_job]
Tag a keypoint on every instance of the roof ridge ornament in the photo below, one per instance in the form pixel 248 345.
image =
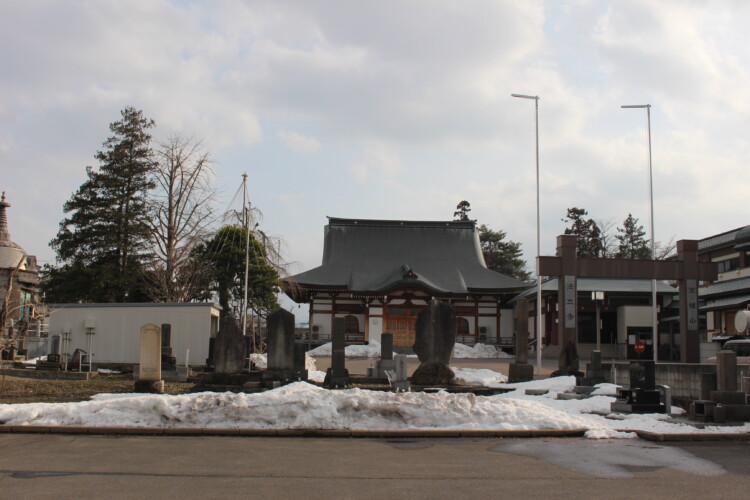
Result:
pixel 5 240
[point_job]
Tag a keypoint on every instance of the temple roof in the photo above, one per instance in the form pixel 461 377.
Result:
pixel 373 256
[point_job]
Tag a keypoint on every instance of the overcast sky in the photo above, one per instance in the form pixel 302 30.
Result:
pixel 391 109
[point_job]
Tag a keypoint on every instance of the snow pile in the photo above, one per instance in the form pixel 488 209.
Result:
pixel 371 351
pixel 478 351
pixel 486 378
pixel 261 361
pixel 297 406
pixel 304 406
pixel 107 371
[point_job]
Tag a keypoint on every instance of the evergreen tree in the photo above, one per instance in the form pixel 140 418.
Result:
pixel 223 259
pixel 590 237
pixel 101 243
pixel 502 256
pixel 462 211
pixel 631 237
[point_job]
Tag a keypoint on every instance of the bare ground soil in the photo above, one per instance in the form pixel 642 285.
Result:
pixel 29 390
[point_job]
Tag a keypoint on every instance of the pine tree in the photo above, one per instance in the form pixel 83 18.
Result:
pixel 223 259
pixel 502 256
pixel 102 242
pixel 633 244
pixel 462 211
pixel 590 237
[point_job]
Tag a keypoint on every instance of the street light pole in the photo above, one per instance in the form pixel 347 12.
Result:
pixel 654 331
pixel 538 240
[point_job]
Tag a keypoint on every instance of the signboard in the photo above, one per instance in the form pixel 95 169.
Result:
pixel 692 304
pixel 570 301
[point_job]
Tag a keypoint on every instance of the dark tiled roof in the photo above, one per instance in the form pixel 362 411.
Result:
pixel 362 256
pixel 726 302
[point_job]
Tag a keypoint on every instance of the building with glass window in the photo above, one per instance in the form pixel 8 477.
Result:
pixel 731 292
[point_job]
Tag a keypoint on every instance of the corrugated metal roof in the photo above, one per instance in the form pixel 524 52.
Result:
pixel 365 255
pixel 718 240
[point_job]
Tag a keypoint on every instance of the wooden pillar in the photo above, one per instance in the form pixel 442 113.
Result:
pixel 567 289
pixel 687 254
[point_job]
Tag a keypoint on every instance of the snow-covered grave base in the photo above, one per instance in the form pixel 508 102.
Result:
pixel 304 406
pixel 372 351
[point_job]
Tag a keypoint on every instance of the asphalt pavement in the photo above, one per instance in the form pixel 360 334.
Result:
pixel 60 466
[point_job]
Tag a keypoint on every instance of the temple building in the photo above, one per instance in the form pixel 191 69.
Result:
pixel 379 274
pixel 19 287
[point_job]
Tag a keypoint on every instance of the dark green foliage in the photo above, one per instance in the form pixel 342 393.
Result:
pixel 502 256
pixel 223 260
pixel 462 211
pixel 632 241
pixel 590 242
pixel 102 242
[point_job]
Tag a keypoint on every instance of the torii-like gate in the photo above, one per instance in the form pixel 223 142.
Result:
pixel 566 266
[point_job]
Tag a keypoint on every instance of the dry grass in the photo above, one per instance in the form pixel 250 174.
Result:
pixel 29 390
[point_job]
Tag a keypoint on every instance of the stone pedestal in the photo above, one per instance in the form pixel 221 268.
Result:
pixel 520 372
pixel 149 386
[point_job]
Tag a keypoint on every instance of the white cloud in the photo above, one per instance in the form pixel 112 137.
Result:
pixel 379 162
pixel 299 142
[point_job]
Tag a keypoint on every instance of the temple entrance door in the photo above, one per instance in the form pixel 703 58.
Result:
pixel 402 323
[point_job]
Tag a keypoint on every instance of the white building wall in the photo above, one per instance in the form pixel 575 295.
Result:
pixel 506 323
pixel 117 337
pixel 631 316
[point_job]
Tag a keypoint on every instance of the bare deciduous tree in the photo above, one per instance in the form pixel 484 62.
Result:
pixel 181 211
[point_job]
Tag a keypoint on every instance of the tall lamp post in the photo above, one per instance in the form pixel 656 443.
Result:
pixel 538 239
pixel 654 330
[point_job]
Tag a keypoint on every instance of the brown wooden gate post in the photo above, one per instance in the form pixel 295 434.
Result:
pixel 687 255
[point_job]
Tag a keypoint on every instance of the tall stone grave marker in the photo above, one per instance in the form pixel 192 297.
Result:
pixel 521 370
pixel 280 346
pixel 386 355
pixel 149 371
pixel 229 348
pixel 435 338
pixel 337 375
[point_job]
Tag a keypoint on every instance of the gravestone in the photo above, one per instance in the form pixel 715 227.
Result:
pixel 397 377
pixel 642 396
pixel 280 347
pixel 521 370
pixel 149 370
pixel 568 362
pixel 337 375
pixel 229 348
pixel 386 362
pixel 300 369
pixel 595 373
pixel 435 338
pixel 168 361
pixel 726 378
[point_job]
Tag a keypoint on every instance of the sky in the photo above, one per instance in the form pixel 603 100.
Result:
pixel 391 109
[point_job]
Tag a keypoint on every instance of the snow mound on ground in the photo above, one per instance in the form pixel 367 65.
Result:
pixel 371 351
pixel 483 377
pixel 478 351
pixel 304 406
pixel 261 361
pixel 297 406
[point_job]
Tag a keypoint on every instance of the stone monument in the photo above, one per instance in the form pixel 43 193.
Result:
pixel 521 370
pixel 386 362
pixel 568 362
pixel 337 375
pixel 642 396
pixel 149 370
pixel 435 338
pixel 280 347
pixel 229 348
